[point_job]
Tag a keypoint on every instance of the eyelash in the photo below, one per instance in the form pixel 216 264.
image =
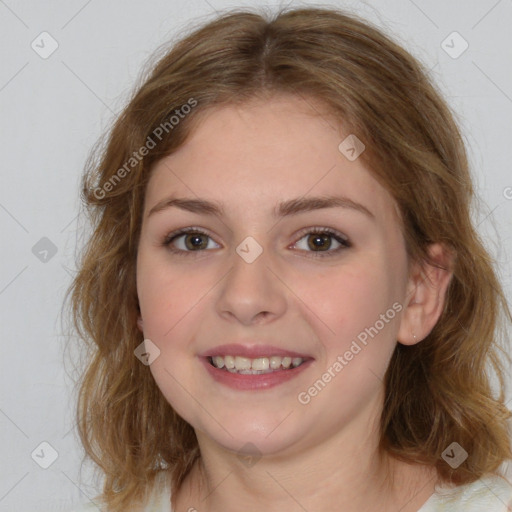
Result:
pixel 345 244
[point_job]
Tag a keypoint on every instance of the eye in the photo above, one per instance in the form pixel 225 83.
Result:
pixel 189 240
pixel 320 241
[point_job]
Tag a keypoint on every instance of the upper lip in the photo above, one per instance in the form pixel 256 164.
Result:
pixel 250 351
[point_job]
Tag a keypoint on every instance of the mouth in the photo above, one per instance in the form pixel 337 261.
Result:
pixel 258 366
pixel 249 366
pixel 254 374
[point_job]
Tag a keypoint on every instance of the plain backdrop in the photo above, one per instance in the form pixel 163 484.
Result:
pixel 66 70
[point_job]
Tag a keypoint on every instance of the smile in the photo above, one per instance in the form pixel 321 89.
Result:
pixel 260 365
pixel 243 373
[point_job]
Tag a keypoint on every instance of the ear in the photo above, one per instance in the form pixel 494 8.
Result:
pixel 426 294
pixel 140 323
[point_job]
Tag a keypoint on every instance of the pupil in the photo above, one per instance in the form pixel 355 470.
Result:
pixel 194 242
pixel 319 241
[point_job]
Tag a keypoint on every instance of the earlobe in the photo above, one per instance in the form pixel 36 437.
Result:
pixel 426 295
pixel 140 323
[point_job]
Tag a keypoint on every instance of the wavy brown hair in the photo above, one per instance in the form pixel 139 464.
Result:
pixel 437 391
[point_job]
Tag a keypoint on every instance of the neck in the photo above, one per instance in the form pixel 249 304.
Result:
pixel 339 475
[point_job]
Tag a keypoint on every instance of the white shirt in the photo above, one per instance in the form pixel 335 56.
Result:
pixel 489 494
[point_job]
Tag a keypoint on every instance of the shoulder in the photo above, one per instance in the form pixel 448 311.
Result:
pixel 491 493
pixel 158 501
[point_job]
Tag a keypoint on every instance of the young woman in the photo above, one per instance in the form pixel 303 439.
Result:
pixel 288 304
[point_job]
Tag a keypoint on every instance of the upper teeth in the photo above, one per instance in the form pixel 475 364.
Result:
pixel 234 363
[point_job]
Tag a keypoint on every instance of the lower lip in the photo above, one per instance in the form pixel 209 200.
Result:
pixel 253 382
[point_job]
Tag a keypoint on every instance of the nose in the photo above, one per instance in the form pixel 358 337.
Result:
pixel 252 293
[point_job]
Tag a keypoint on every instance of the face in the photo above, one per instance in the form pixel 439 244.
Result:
pixel 272 271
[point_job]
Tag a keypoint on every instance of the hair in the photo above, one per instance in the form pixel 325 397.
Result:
pixel 437 391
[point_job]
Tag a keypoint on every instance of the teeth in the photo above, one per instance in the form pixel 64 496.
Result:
pixel 242 363
pixel 262 363
pixel 218 361
pixel 247 366
pixel 275 362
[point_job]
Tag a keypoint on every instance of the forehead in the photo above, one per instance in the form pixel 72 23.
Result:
pixel 263 152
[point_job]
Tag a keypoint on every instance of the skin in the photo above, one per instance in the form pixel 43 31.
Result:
pixel 316 456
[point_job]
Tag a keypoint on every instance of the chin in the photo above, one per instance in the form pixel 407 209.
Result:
pixel 253 438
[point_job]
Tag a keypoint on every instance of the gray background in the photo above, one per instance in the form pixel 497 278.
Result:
pixel 52 111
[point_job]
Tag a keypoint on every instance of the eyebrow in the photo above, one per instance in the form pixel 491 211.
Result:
pixel 283 209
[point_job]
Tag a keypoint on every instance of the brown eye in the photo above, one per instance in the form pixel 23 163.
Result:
pixel 319 241
pixel 191 240
pixel 195 241
pixel 322 242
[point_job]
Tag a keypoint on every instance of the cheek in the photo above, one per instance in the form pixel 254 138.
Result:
pixel 347 304
pixel 168 299
pixel 349 298
pixel 166 294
